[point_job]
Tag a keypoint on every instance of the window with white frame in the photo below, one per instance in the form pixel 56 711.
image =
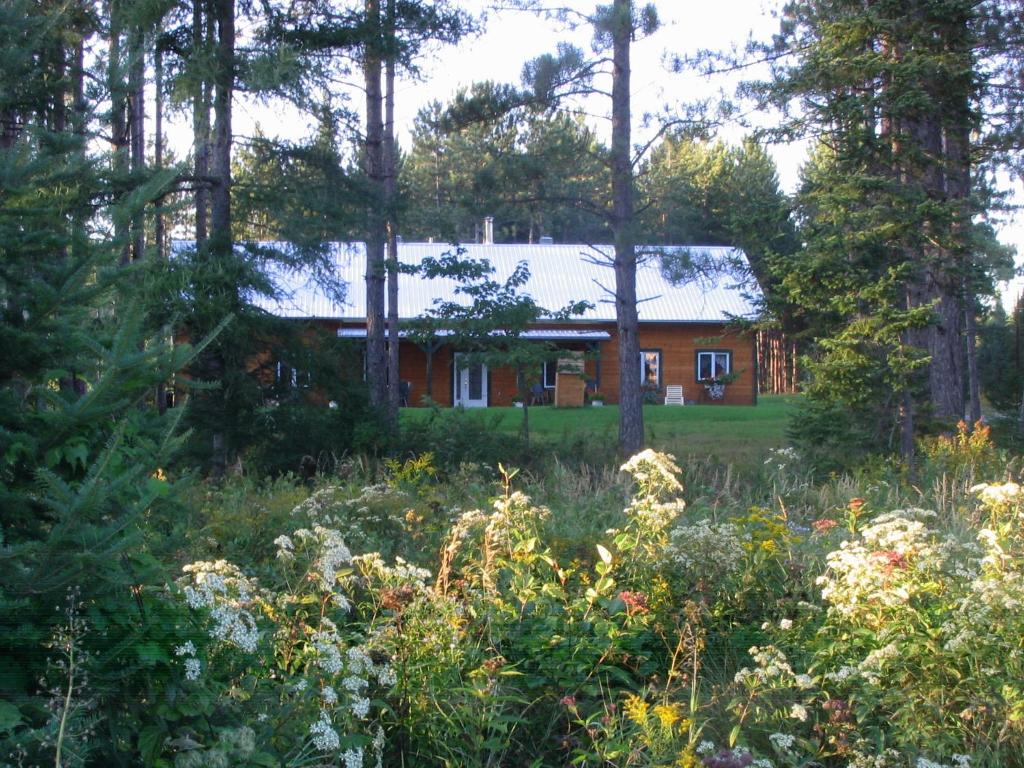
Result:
pixel 650 368
pixel 713 363
pixel 288 377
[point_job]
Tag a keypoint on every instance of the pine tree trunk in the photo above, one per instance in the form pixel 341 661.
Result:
pixel 376 232
pixel 159 225
pixel 220 197
pixel 907 433
pixel 974 383
pixel 957 147
pixel 137 130
pixel 945 336
pixel 118 123
pixel 159 231
pixel 221 241
pixel 631 415
pixel 201 124
pixel 390 180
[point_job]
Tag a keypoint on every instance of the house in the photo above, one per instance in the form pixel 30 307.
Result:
pixel 688 333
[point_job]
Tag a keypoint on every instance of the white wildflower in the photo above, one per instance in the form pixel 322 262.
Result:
pixel 997 495
pixel 333 555
pixel 360 707
pixel 285 547
pixel 353 758
pixel 225 590
pixel 328 655
pixel 798 712
pixel 408 572
pixel 341 601
pixel 358 660
pixel 705 748
pixel 843 673
pixel 329 695
pixel 185 649
pixel 354 683
pixel 782 741
pixel 386 675
pixel 325 738
pixel 193 668
pixel 786 624
pixel 712 551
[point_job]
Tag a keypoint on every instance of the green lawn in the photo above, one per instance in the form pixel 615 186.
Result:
pixel 736 434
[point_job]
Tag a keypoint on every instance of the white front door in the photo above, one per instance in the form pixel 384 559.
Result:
pixel 470 384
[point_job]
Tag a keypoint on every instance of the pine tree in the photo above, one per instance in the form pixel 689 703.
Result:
pixel 79 440
pixel 891 90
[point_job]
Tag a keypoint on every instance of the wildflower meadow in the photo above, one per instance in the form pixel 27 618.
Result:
pixel 659 613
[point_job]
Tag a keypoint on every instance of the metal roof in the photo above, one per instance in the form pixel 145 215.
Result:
pixel 559 274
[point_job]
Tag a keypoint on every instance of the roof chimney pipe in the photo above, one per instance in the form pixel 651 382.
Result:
pixel 488 230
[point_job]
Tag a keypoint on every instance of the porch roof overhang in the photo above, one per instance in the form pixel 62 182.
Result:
pixel 556 334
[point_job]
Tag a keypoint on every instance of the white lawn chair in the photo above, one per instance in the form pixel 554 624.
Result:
pixel 674 394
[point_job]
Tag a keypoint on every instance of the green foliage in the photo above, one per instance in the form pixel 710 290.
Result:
pixel 712 194
pixel 999 359
pixel 82 449
pixel 486 154
pixel 457 435
pixel 893 249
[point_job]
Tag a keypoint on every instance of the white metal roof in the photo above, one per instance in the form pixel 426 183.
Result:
pixel 559 274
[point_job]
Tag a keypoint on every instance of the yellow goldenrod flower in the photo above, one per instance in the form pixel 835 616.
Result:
pixel 636 709
pixel 667 714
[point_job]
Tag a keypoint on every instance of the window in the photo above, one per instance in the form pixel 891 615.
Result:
pixel 713 363
pixel 288 378
pixel 650 368
pixel 550 372
pixel 285 377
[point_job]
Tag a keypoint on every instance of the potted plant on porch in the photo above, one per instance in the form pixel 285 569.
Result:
pixel 597 399
pixel 715 385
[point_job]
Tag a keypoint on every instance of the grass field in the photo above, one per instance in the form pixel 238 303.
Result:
pixel 740 435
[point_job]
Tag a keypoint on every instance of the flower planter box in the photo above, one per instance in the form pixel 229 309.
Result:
pixel 715 391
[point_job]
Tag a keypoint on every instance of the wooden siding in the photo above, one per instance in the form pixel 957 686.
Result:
pixel 678 345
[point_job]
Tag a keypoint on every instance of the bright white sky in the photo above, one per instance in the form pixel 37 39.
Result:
pixel 513 38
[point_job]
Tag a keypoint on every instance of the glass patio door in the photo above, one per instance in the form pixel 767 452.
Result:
pixel 470 384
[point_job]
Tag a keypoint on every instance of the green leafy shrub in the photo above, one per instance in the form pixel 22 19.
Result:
pixel 456 436
pixel 300 436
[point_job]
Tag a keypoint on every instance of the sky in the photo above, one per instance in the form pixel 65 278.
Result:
pixel 512 38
